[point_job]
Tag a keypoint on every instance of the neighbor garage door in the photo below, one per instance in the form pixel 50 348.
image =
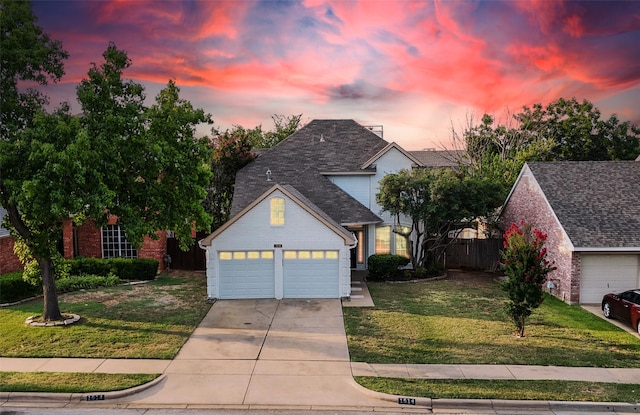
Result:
pixel 311 274
pixel 601 274
pixel 246 274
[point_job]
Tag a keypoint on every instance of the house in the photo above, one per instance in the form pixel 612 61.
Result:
pixel 590 211
pixel 87 240
pixel 304 214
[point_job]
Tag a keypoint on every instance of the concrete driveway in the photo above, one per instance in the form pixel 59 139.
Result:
pixel 267 352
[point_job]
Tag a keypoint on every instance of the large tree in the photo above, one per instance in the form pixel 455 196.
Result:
pixel 436 201
pixel 118 157
pixel 565 129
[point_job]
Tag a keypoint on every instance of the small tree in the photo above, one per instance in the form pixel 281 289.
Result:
pixel 526 267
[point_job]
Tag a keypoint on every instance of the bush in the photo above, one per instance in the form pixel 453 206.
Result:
pixel 14 288
pixel 126 269
pixel 386 266
pixel 85 282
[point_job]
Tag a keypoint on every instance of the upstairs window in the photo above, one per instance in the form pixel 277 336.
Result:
pixel 277 211
pixel 115 243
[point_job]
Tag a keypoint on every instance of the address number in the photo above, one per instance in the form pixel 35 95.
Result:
pixel 95 397
pixel 406 401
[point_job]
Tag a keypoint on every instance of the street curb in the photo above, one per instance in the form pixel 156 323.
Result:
pixel 503 405
pixel 422 402
pixel 77 397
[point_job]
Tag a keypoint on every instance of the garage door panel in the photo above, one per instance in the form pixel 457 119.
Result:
pixel 602 274
pixel 246 275
pixel 311 274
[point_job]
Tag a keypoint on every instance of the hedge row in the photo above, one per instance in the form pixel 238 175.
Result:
pixel 14 288
pixel 125 269
pixel 84 273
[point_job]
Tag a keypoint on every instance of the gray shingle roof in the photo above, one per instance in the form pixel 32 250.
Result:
pixel 439 158
pixel 597 202
pixel 320 146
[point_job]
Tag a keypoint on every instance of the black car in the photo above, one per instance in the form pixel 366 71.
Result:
pixel 624 307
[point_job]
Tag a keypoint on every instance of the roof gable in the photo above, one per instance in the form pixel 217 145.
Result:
pixel 367 164
pixel 596 202
pixel 292 194
pixel 320 147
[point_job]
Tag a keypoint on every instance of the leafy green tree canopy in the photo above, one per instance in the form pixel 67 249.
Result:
pixel 143 165
pixel 435 201
pixel 562 130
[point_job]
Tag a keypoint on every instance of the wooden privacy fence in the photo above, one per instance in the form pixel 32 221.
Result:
pixel 193 259
pixel 473 253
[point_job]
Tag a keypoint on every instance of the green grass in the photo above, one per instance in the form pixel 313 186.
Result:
pixel 150 321
pixel 70 382
pixel 546 390
pixel 461 320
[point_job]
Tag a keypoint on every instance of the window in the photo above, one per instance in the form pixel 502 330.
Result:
pixel 115 243
pixel 277 211
pixel 401 242
pixel 383 240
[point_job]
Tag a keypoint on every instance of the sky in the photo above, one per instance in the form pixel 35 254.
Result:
pixel 418 68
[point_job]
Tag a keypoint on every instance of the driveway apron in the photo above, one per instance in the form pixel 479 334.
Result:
pixel 263 352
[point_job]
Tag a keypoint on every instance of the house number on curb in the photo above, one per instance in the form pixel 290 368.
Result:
pixel 95 397
pixel 406 401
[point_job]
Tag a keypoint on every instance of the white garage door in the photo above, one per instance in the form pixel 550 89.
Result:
pixel 246 274
pixel 602 274
pixel 311 274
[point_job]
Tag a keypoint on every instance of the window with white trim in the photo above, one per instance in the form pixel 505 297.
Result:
pixel 401 242
pixel 115 243
pixel 277 211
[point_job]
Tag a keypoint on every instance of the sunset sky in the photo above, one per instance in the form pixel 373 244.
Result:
pixel 413 67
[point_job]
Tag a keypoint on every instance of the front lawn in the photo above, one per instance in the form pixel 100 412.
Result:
pixel 146 321
pixel 460 320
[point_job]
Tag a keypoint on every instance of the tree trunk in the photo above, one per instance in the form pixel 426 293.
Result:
pixel 51 310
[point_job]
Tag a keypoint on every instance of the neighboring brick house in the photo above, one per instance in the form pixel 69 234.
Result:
pixel 591 213
pixel 87 240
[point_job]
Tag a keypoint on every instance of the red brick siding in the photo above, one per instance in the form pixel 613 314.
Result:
pixel 89 240
pixel 528 203
pixel 155 249
pixel 9 262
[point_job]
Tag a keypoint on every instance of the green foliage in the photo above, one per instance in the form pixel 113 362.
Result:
pixel 14 288
pixel 141 164
pixel 231 152
pixel 436 201
pixel 123 268
pixel 563 130
pixel 385 266
pixel 85 282
pixel 525 266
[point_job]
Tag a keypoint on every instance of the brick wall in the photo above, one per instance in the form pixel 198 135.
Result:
pixel 89 240
pixel 9 262
pixel 528 203
pixel 155 249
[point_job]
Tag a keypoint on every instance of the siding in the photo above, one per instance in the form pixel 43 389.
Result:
pixel 528 203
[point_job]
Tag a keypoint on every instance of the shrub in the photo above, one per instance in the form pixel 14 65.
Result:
pixel 13 288
pixel 126 269
pixel 85 282
pixel 385 266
